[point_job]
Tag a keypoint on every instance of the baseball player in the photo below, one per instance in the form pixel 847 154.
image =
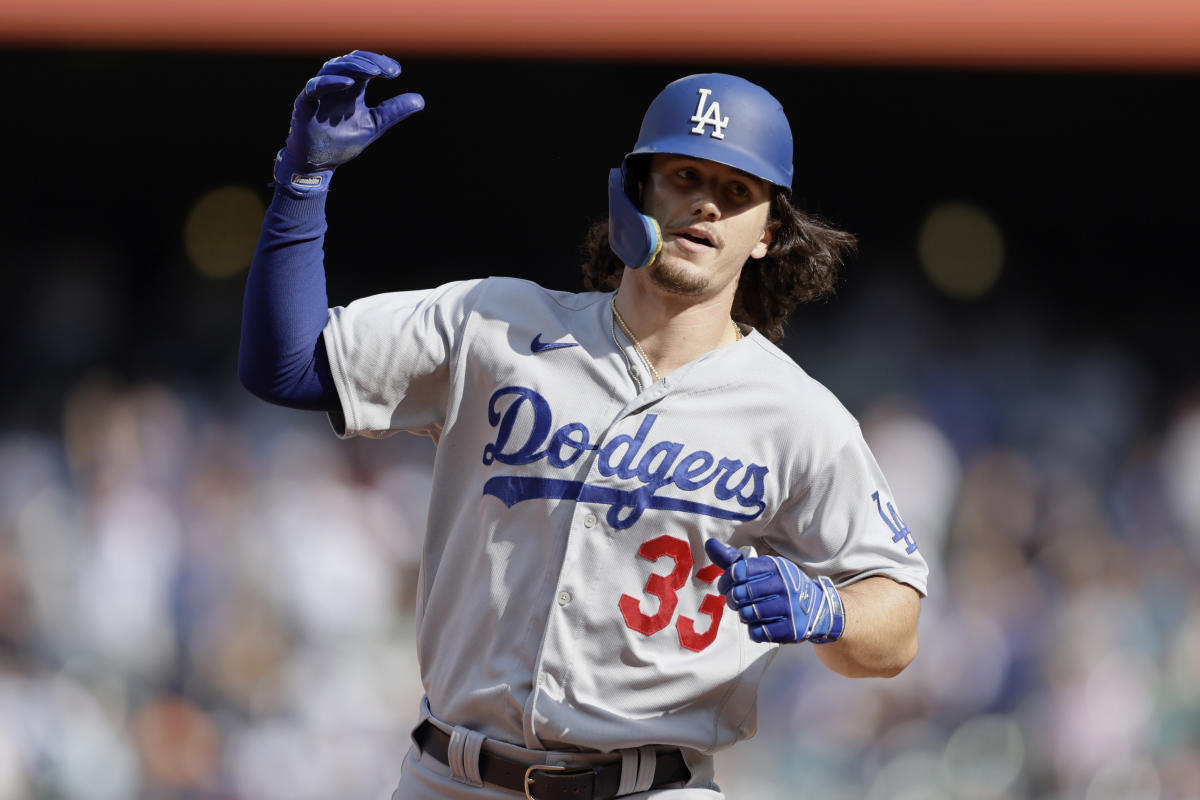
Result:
pixel 637 497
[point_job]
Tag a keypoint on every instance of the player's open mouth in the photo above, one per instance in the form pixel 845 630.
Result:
pixel 696 237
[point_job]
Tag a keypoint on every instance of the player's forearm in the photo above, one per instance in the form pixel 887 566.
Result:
pixel 880 638
pixel 281 356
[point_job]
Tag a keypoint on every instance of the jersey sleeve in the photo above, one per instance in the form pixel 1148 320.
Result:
pixel 844 523
pixel 392 357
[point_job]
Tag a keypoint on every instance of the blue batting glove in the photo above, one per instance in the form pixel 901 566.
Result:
pixel 776 601
pixel 331 123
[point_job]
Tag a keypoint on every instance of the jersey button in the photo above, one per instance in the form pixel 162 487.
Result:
pixel 589 520
pixel 564 598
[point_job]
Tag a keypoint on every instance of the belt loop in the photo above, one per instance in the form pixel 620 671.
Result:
pixel 647 761
pixel 463 755
pixel 629 772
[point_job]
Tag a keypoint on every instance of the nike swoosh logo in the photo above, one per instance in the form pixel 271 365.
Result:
pixel 538 346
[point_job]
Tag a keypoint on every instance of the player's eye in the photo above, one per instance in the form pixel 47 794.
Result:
pixel 739 191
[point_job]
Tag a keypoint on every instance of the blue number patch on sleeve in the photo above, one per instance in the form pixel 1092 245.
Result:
pixel 900 531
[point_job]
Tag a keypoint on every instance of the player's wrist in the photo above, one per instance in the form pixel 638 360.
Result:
pixel 297 178
pixel 304 212
pixel 830 621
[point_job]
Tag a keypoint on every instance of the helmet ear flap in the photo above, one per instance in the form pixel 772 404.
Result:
pixel 633 172
pixel 632 235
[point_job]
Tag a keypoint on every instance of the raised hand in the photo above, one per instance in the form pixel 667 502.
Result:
pixel 331 122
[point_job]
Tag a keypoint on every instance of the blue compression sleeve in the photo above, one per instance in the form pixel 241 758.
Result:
pixel 282 357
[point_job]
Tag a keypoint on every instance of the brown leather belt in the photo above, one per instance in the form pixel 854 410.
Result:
pixel 546 782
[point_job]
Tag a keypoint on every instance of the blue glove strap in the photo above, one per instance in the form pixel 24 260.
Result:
pixel 813 612
pixel 836 616
pixel 297 182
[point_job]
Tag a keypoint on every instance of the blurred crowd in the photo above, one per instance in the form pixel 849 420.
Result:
pixel 204 606
pixel 203 596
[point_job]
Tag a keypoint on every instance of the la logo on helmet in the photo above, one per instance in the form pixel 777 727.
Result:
pixel 709 116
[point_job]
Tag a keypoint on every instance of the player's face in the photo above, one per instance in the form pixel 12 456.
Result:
pixel 713 217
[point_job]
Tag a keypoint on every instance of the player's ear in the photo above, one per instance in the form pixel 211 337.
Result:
pixel 764 242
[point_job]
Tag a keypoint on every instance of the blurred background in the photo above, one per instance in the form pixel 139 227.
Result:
pixel 203 596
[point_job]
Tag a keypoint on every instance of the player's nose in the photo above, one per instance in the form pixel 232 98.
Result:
pixel 703 205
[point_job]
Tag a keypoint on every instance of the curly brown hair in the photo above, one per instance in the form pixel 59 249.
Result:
pixel 801 265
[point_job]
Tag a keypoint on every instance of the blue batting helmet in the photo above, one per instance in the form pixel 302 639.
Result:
pixel 721 118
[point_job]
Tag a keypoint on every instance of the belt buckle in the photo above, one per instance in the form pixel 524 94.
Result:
pixel 532 768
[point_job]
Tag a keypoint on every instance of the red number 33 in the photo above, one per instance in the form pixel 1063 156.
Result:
pixel 666 588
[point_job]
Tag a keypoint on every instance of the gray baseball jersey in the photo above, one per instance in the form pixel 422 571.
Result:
pixel 565 598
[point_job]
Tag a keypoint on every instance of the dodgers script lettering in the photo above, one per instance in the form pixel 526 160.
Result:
pixel 727 488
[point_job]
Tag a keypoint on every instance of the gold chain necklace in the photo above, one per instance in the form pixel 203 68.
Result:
pixel 637 345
